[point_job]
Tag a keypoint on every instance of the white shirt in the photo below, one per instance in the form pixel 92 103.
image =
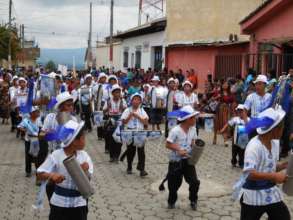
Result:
pixel 134 123
pixel 12 92
pixel 259 158
pixel 241 139
pixel 115 107
pixel 256 103
pixel 184 100
pixel 21 96
pixel 54 163
pixel 86 99
pixel 178 136
pixel 32 128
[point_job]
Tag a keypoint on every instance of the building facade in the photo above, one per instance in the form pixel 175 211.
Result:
pixel 103 55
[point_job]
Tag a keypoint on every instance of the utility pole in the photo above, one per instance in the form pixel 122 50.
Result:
pixel 139 12
pixel 10 41
pixel 89 58
pixel 111 34
pixel 22 36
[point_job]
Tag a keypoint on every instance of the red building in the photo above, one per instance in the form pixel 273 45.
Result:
pixel 271 36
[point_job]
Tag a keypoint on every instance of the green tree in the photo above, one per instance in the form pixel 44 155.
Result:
pixel 50 66
pixel 4 42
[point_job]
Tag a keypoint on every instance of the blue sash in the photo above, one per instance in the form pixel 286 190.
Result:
pixel 258 185
pixel 66 192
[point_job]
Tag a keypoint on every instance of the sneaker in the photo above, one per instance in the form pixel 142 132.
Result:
pixel 193 206
pixel 171 206
pixel 143 173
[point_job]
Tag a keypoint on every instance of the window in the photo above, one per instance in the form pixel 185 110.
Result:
pixel 125 59
pixel 138 59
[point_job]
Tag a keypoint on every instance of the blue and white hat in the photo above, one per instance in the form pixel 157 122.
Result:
pixel 115 87
pixel 88 76
pixel 276 116
pixel 112 77
pixel 136 94
pixel 101 75
pixel 184 113
pixel 71 130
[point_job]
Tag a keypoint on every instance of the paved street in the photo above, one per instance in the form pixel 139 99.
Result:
pixel 121 196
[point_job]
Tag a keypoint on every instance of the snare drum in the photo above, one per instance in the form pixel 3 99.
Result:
pixel 98 118
pixel 126 137
pixel 152 135
pixel 208 122
pixel 139 138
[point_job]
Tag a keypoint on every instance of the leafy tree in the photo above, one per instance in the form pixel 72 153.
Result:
pixel 4 42
pixel 50 66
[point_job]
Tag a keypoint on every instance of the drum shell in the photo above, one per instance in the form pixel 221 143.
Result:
pixel 79 177
pixel 98 118
pixel 288 185
pixel 139 138
pixel 195 154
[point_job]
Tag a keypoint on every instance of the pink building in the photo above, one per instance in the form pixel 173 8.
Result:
pixel 271 36
pixel 221 60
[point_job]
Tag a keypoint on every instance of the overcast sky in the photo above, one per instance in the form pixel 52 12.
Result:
pixel 65 23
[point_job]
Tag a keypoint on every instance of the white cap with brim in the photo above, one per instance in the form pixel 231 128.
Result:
pixel 112 77
pixel 240 107
pixel 115 87
pixel 187 112
pixel 187 83
pixel 63 97
pixel 34 108
pixel 261 78
pixel 101 75
pixel 155 78
pixel 136 95
pixel 276 115
pixel 171 80
pixel 22 79
pixel 14 78
pixel 88 76
pixel 76 127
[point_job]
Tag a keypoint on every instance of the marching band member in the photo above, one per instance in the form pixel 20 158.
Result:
pixel 66 202
pixel 240 140
pixel 112 80
pixel 179 141
pixel 135 118
pixel 188 97
pixel 158 108
pixel 101 82
pixel 146 103
pixel 13 113
pixel 113 109
pixel 31 127
pixel 86 101
pixel 260 193
pixel 259 100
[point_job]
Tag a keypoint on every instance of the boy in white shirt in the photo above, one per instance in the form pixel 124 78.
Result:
pixel 66 202
pixel 260 193
pixel 135 118
pixel 240 139
pixel 180 141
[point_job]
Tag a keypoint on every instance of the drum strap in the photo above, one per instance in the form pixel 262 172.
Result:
pixel 66 192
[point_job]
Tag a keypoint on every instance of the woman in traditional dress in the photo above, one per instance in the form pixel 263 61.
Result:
pixel 223 111
pixel 4 98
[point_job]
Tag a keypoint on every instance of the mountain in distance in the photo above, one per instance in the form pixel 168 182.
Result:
pixel 63 56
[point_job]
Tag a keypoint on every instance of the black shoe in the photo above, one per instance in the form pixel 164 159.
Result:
pixel 106 151
pixel 116 160
pixel 171 206
pixel 129 171
pixel 143 173
pixel 111 160
pixel 28 175
pixel 193 206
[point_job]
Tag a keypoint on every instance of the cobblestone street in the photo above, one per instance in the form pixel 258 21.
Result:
pixel 122 196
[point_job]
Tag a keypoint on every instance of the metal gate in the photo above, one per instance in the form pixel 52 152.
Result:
pixel 228 66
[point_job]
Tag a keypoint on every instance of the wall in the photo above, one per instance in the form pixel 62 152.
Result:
pixel 208 20
pixel 201 59
pixel 154 39
pixel 102 56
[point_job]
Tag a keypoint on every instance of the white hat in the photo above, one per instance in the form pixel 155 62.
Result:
pixel 187 83
pixel 52 75
pixel 171 80
pixel 112 77
pixel 187 112
pixel 261 78
pixel 101 75
pixel 115 87
pixel 14 77
pixel 136 94
pixel 155 78
pixel 76 128
pixel 63 97
pixel 87 76
pixel 146 85
pixel 22 79
pixel 240 107
pixel 276 115
pixel 34 108
pixel 176 81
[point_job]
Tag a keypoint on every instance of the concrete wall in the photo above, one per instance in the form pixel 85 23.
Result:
pixel 102 56
pixel 147 43
pixel 201 59
pixel 206 20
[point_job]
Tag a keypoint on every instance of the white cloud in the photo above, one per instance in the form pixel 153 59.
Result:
pixel 65 24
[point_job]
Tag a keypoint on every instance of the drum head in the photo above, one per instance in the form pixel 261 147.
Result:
pixel 170 99
pixel 84 91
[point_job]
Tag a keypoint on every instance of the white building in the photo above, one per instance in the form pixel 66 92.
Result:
pixel 140 47
pixel 143 47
